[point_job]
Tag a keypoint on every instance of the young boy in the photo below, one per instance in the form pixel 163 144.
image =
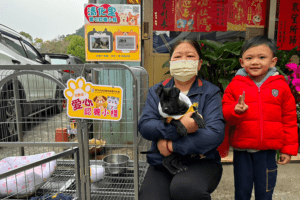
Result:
pixel 260 105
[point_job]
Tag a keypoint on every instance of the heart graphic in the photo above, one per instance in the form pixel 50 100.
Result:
pixel 104 6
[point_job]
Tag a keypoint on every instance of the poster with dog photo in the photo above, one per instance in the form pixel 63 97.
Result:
pixel 100 41
pixel 112 42
pixel 122 14
pixel 112 32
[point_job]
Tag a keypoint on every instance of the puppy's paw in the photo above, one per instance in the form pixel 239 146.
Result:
pixel 201 123
pixel 182 131
pixel 199 120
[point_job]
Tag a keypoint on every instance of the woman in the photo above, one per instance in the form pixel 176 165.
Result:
pixel 198 148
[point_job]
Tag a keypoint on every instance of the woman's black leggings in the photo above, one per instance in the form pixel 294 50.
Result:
pixel 196 183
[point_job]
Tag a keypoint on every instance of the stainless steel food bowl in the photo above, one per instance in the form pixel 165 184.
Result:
pixel 115 163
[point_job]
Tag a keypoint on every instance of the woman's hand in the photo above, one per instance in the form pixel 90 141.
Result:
pixel 162 147
pixel 189 123
pixel 284 159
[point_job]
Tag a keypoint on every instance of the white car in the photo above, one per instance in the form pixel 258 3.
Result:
pixel 36 93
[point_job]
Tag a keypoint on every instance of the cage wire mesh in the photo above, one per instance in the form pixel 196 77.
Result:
pixel 124 167
pixel 34 123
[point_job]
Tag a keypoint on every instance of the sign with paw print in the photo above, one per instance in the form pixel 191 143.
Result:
pixel 88 101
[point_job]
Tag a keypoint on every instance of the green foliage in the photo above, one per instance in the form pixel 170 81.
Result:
pixel 76 46
pixel 283 59
pixel 27 35
pixel 80 32
pixel 38 40
pixel 57 45
pixel 220 61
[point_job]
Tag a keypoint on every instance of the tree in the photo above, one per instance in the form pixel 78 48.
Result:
pixel 80 31
pixel 38 42
pixel 57 45
pixel 76 46
pixel 26 35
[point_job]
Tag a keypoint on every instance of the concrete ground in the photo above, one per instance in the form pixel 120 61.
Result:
pixel 287 186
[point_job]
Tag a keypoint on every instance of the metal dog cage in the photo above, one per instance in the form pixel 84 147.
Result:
pixel 33 120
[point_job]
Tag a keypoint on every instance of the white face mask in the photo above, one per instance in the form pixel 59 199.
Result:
pixel 184 70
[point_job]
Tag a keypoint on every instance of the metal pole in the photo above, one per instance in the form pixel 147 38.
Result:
pixel 77 174
pixel 86 159
pixel 18 114
pixel 81 160
pixel 135 139
pixel 272 19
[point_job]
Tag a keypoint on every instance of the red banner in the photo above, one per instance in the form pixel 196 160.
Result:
pixel 257 10
pixel 208 15
pixel 288 35
pixel 219 15
pixel 190 15
pixel 237 15
pixel 163 15
pixel 186 15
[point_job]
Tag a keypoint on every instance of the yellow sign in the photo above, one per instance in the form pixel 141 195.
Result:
pixel 89 101
pixel 112 42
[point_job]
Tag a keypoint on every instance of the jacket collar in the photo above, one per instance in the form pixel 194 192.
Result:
pixel 249 81
pixel 195 89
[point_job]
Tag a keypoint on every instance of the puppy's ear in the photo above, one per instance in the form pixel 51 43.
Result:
pixel 159 90
pixel 175 92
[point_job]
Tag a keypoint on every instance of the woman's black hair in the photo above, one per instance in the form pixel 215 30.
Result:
pixel 259 40
pixel 194 43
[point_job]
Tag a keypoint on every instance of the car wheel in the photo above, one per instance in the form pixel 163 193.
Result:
pixel 59 100
pixel 9 114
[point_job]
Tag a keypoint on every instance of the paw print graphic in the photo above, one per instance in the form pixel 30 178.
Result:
pixel 77 92
pixel 77 89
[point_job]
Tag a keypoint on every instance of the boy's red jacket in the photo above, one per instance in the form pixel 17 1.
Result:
pixel 271 119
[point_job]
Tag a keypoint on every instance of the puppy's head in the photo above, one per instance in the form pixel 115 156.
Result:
pixel 169 101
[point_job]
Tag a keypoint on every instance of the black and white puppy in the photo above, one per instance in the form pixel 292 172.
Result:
pixel 172 108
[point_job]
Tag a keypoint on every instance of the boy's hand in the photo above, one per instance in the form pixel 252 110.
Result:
pixel 241 106
pixel 284 159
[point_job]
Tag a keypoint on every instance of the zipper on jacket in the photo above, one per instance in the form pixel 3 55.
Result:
pixel 260 115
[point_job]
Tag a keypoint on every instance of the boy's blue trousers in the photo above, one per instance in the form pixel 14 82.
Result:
pixel 259 168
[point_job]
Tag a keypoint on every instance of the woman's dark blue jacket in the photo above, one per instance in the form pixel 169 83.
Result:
pixel 204 141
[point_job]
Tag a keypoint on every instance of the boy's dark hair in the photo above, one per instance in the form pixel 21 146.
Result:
pixel 259 40
pixel 192 42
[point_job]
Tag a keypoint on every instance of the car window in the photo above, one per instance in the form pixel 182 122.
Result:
pixel 58 61
pixel 32 53
pixel 77 61
pixel 14 44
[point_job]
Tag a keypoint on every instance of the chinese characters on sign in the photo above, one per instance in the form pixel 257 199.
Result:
pixel 288 35
pixel 219 16
pixel 163 15
pixel 103 13
pixel 208 15
pixel 204 18
pixel 112 32
pixel 88 101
